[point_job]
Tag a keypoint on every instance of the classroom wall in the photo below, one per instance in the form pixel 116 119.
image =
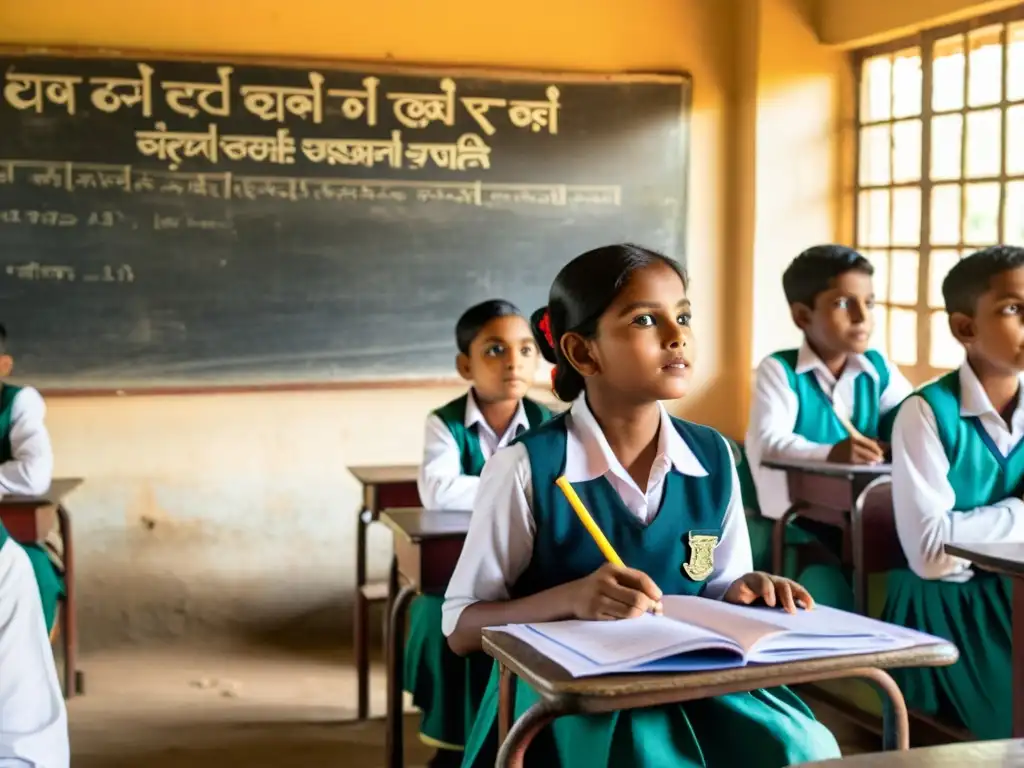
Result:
pixel 233 515
pixel 848 23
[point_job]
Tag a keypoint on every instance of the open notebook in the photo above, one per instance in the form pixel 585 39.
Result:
pixel 696 633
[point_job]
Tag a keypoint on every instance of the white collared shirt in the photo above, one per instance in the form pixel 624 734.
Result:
pixel 499 544
pixel 441 482
pixel 33 718
pixel 30 471
pixel 923 497
pixel 774 409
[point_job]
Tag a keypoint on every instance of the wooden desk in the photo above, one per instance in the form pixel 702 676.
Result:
pixel 29 520
pixel 427 547
pixel 829 493
pixel 383 487
pixel 561 694
pixel 975 754
pixel 1006 558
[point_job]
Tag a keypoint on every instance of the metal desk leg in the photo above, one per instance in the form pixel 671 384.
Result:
pixel 361 618
pixel 512 750
pixel 396 666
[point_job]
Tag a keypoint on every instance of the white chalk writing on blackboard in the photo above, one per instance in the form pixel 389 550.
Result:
pixel 229 186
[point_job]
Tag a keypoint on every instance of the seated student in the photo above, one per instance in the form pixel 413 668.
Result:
pixel 958 476
pixel 33 724
pixel 621 342
pixel 26 468
pixel 797 394
pixel 498 356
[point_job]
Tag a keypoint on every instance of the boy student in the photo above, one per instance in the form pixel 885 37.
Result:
pixel 957 477
pixel 26 467
pixel 498 356
pixel 804 399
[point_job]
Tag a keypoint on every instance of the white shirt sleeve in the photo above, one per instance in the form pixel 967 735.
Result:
pixel 33 718
pixel 773 412
pixel 923 500
pixel 30 471
pixel 897 391
pixel 499 544
pixel 732 556
pixel 441 483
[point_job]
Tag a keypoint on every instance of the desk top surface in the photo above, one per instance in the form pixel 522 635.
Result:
pixel 421 524
pixel 552 681
pixel 58 489
pixel 976 754
pixel 386 474
pixel 1005 557
pixel 828 468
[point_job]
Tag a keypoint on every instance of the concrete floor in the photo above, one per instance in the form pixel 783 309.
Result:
pixel 258 708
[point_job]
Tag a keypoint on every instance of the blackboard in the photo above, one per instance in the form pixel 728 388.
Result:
pixel 174 222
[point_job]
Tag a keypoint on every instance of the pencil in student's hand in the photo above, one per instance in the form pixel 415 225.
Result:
pixel 596 533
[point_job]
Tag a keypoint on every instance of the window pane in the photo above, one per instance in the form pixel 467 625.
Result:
pixel 985 67
pixel 880 261
pixel 1014 213
pixel 945 215
pixel 906 86
pixel 873 218
pixel 903 336
pixel 876 90
pixel 906 219
pixel 1015 139
pixel 1015 80
pixel 948 74
pixel 875 152
pixel 946 351
pixel 940 262
pixel 984 143
pixel 947 133
pixel 981 214
pixel 906 151
pixel 904 272
pixel 880 337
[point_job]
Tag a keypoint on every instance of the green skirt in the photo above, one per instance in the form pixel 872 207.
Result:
pixel 761 729
pixel 829 584
pixel 447 688
pixel 51 583
pixel 976 617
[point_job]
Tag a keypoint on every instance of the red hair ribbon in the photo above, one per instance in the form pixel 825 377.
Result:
pixel 554 375
pixel 545 327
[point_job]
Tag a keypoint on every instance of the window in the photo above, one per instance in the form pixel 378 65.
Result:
pixel 940 173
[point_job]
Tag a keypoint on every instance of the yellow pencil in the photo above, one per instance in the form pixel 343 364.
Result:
pixel 588 522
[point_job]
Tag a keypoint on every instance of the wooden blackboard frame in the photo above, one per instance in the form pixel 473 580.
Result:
pixel 682 78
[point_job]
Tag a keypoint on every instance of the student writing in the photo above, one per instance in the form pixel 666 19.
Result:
pixel 618 331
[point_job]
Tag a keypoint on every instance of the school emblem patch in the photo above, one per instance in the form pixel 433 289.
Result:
pixel 702 556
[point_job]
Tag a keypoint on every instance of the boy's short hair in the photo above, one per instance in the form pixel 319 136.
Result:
pixel 479 315
pixel 970 277
pixel 811 272
pixel 3 339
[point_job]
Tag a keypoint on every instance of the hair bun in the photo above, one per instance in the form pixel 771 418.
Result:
pixel 540 322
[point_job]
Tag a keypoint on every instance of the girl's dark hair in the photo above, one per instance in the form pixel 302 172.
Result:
pixel 580 294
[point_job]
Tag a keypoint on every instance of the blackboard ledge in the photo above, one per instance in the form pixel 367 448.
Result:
pixel 247 389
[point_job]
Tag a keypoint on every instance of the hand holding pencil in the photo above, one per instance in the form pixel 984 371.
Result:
pixel 613 591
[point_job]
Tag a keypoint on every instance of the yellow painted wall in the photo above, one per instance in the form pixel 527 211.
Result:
pixel 235 512
pixel 860 22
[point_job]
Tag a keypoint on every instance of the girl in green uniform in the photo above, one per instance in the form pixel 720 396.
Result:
pixel 618 331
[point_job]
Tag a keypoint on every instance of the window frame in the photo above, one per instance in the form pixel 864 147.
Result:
pixel 925 41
